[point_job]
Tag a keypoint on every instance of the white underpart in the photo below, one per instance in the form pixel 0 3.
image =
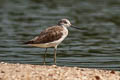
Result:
pixel 54 43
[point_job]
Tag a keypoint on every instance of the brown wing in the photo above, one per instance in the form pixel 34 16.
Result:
pixel 49 35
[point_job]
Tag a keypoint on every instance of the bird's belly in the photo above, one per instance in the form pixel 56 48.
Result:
pixel 54 43
pixel 46 45
pixel 50 44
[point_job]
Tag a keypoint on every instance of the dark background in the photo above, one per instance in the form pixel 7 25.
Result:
pixel 97 46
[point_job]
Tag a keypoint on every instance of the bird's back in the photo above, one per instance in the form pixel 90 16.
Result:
pixel 49 35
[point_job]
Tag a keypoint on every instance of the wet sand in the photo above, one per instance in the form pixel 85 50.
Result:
pixel 18 71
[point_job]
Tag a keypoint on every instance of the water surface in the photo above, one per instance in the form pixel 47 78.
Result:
pixel 97 45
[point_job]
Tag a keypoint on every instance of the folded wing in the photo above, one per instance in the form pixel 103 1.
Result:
pixel 49 35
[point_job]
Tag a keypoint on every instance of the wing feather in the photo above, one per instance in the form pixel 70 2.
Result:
pixel 49 35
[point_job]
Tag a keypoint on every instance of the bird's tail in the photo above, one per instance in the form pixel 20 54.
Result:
pixel 29 42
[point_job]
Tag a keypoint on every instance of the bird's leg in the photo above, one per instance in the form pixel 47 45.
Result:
pixel 55 49
pixel 45 56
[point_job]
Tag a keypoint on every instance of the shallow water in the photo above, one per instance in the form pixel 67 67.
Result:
pixel 97 45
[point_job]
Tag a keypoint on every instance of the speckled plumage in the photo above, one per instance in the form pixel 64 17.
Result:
pixel 51 37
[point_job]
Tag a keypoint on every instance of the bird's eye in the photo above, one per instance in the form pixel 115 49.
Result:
pixel 65 22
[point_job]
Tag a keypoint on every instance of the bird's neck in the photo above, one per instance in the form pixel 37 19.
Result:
pixel 62 26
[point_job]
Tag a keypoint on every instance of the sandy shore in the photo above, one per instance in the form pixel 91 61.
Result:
pixel 38 72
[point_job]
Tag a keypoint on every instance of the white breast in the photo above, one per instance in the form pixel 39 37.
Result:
pixel 65 33
pixel 54 43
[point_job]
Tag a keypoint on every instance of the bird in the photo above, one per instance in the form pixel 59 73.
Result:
pixel 51 37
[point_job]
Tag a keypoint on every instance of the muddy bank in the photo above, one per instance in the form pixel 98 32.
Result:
pixel 10 71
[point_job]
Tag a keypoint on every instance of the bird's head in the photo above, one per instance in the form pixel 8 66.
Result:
pixel 64 22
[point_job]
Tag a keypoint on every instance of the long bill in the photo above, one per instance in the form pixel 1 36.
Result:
pixel 75 27
pixel 78 28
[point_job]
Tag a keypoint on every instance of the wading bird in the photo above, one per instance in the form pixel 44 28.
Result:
pixel 52 37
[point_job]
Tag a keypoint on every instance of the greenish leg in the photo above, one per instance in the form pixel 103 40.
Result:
pixel 45 56
pixel 55 49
